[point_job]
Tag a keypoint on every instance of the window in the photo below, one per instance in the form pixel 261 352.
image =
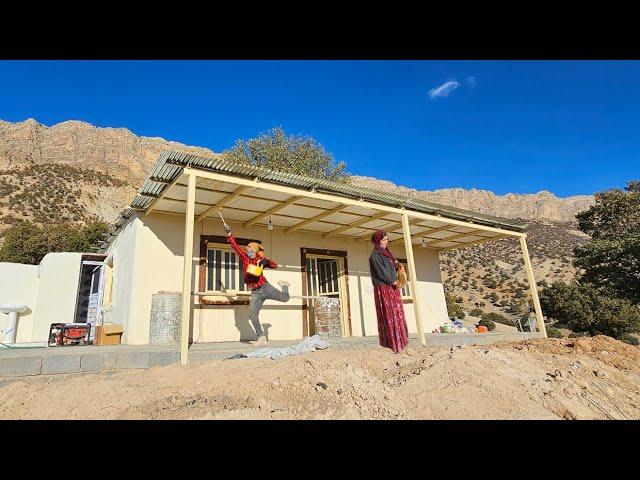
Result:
pixel 405 293
pixel 224 269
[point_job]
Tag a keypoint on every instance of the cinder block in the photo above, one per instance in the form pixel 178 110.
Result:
pixel 110 361
pixel 159 359
pixel 20 366
pixel 60 364
pixel 133 360
pixel 91 362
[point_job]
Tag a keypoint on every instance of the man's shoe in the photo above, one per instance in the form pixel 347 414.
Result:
pixel 283 283
pixel 262 340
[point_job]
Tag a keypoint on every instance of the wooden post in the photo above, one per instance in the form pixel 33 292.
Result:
pixel 408 247
pixel 532 286
pixel 188 268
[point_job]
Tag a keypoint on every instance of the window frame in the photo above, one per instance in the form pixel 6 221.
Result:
pixel 219 242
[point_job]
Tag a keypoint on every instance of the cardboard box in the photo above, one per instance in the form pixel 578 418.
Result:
pixel 109 334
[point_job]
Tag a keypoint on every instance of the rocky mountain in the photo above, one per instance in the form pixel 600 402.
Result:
pixel 76 171
pixel 537 206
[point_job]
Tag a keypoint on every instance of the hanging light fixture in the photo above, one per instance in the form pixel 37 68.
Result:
pixel 270 224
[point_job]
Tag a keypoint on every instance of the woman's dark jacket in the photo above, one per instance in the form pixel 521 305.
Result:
pixel 383 270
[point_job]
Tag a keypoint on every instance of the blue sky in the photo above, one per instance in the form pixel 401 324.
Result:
pixel 569 127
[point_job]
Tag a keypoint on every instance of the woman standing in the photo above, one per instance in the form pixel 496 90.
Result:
pixel 392 326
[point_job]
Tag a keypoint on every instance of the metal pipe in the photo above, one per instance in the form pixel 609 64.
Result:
pixel 210 294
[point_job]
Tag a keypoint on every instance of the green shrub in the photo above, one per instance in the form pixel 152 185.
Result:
pixel 487 323
pixel 583 308
pixel 453 308
pixel 476 312
pixel 630 339
pixel 497 318
pixel 553 332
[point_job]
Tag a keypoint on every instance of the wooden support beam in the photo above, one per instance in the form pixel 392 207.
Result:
pixel 343 200
pixel 162 195
pixel 470 244
pixel 453 237
pixel 392 229
pixel 273 210
pixel 225 201
pixel 357 223
pixel 316 218
pixel 532 286
pixel 408 247
pixel 187 300
pixel 424 234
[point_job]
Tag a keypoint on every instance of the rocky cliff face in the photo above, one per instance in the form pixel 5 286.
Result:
pixel 117 151
pixel 538 206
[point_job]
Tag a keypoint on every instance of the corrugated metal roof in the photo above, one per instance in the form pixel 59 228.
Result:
pixel 170 165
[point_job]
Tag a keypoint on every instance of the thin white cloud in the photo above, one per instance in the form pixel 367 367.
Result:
pixel 443 90
pixel 471 81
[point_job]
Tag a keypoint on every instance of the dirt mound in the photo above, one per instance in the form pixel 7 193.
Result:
pixel 583 378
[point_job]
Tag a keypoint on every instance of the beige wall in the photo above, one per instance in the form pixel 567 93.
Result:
pixel 123 287
pixel 148 259
pixel 57 292
pixel 19 285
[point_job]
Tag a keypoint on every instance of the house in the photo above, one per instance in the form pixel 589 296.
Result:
pixel 171 239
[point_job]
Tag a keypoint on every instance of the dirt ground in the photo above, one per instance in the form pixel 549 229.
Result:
pixel 581 378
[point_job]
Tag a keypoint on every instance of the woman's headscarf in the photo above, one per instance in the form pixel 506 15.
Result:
pixel 375 239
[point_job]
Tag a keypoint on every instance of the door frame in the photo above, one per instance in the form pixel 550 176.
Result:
pixel 344 286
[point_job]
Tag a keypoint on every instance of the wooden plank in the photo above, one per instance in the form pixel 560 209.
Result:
pixel 225 201
pixel 187 270
pixel 532 286
pixel 469 244
pixel 273 210
pixel 316 218
pixel 424 234
pixel 452 237
pixel 408 247
pixel 357 223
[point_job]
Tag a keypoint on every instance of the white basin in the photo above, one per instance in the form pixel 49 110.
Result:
pixel 13 308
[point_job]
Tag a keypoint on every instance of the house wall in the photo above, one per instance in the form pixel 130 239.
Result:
pixel 153 255
pixel 19 285
pixel 125 254
pixel 57 292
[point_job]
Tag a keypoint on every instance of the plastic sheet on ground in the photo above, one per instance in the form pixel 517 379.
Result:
pixel 307 345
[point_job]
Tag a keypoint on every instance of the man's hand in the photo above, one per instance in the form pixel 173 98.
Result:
pixel 227 229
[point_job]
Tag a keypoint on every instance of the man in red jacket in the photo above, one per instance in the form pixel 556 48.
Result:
pixel 261 290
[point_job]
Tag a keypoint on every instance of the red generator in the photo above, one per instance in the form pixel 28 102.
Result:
pixel 64 334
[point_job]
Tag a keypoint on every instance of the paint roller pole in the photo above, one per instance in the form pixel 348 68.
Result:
pixel 188 269
pixel 408 248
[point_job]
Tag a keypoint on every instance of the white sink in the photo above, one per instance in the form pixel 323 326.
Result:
pixel 13 308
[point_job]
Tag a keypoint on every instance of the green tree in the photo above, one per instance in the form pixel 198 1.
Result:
pixel 585 308
pixel 288 153
pixel 611 259
pixel 29 243
pixel 453 308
